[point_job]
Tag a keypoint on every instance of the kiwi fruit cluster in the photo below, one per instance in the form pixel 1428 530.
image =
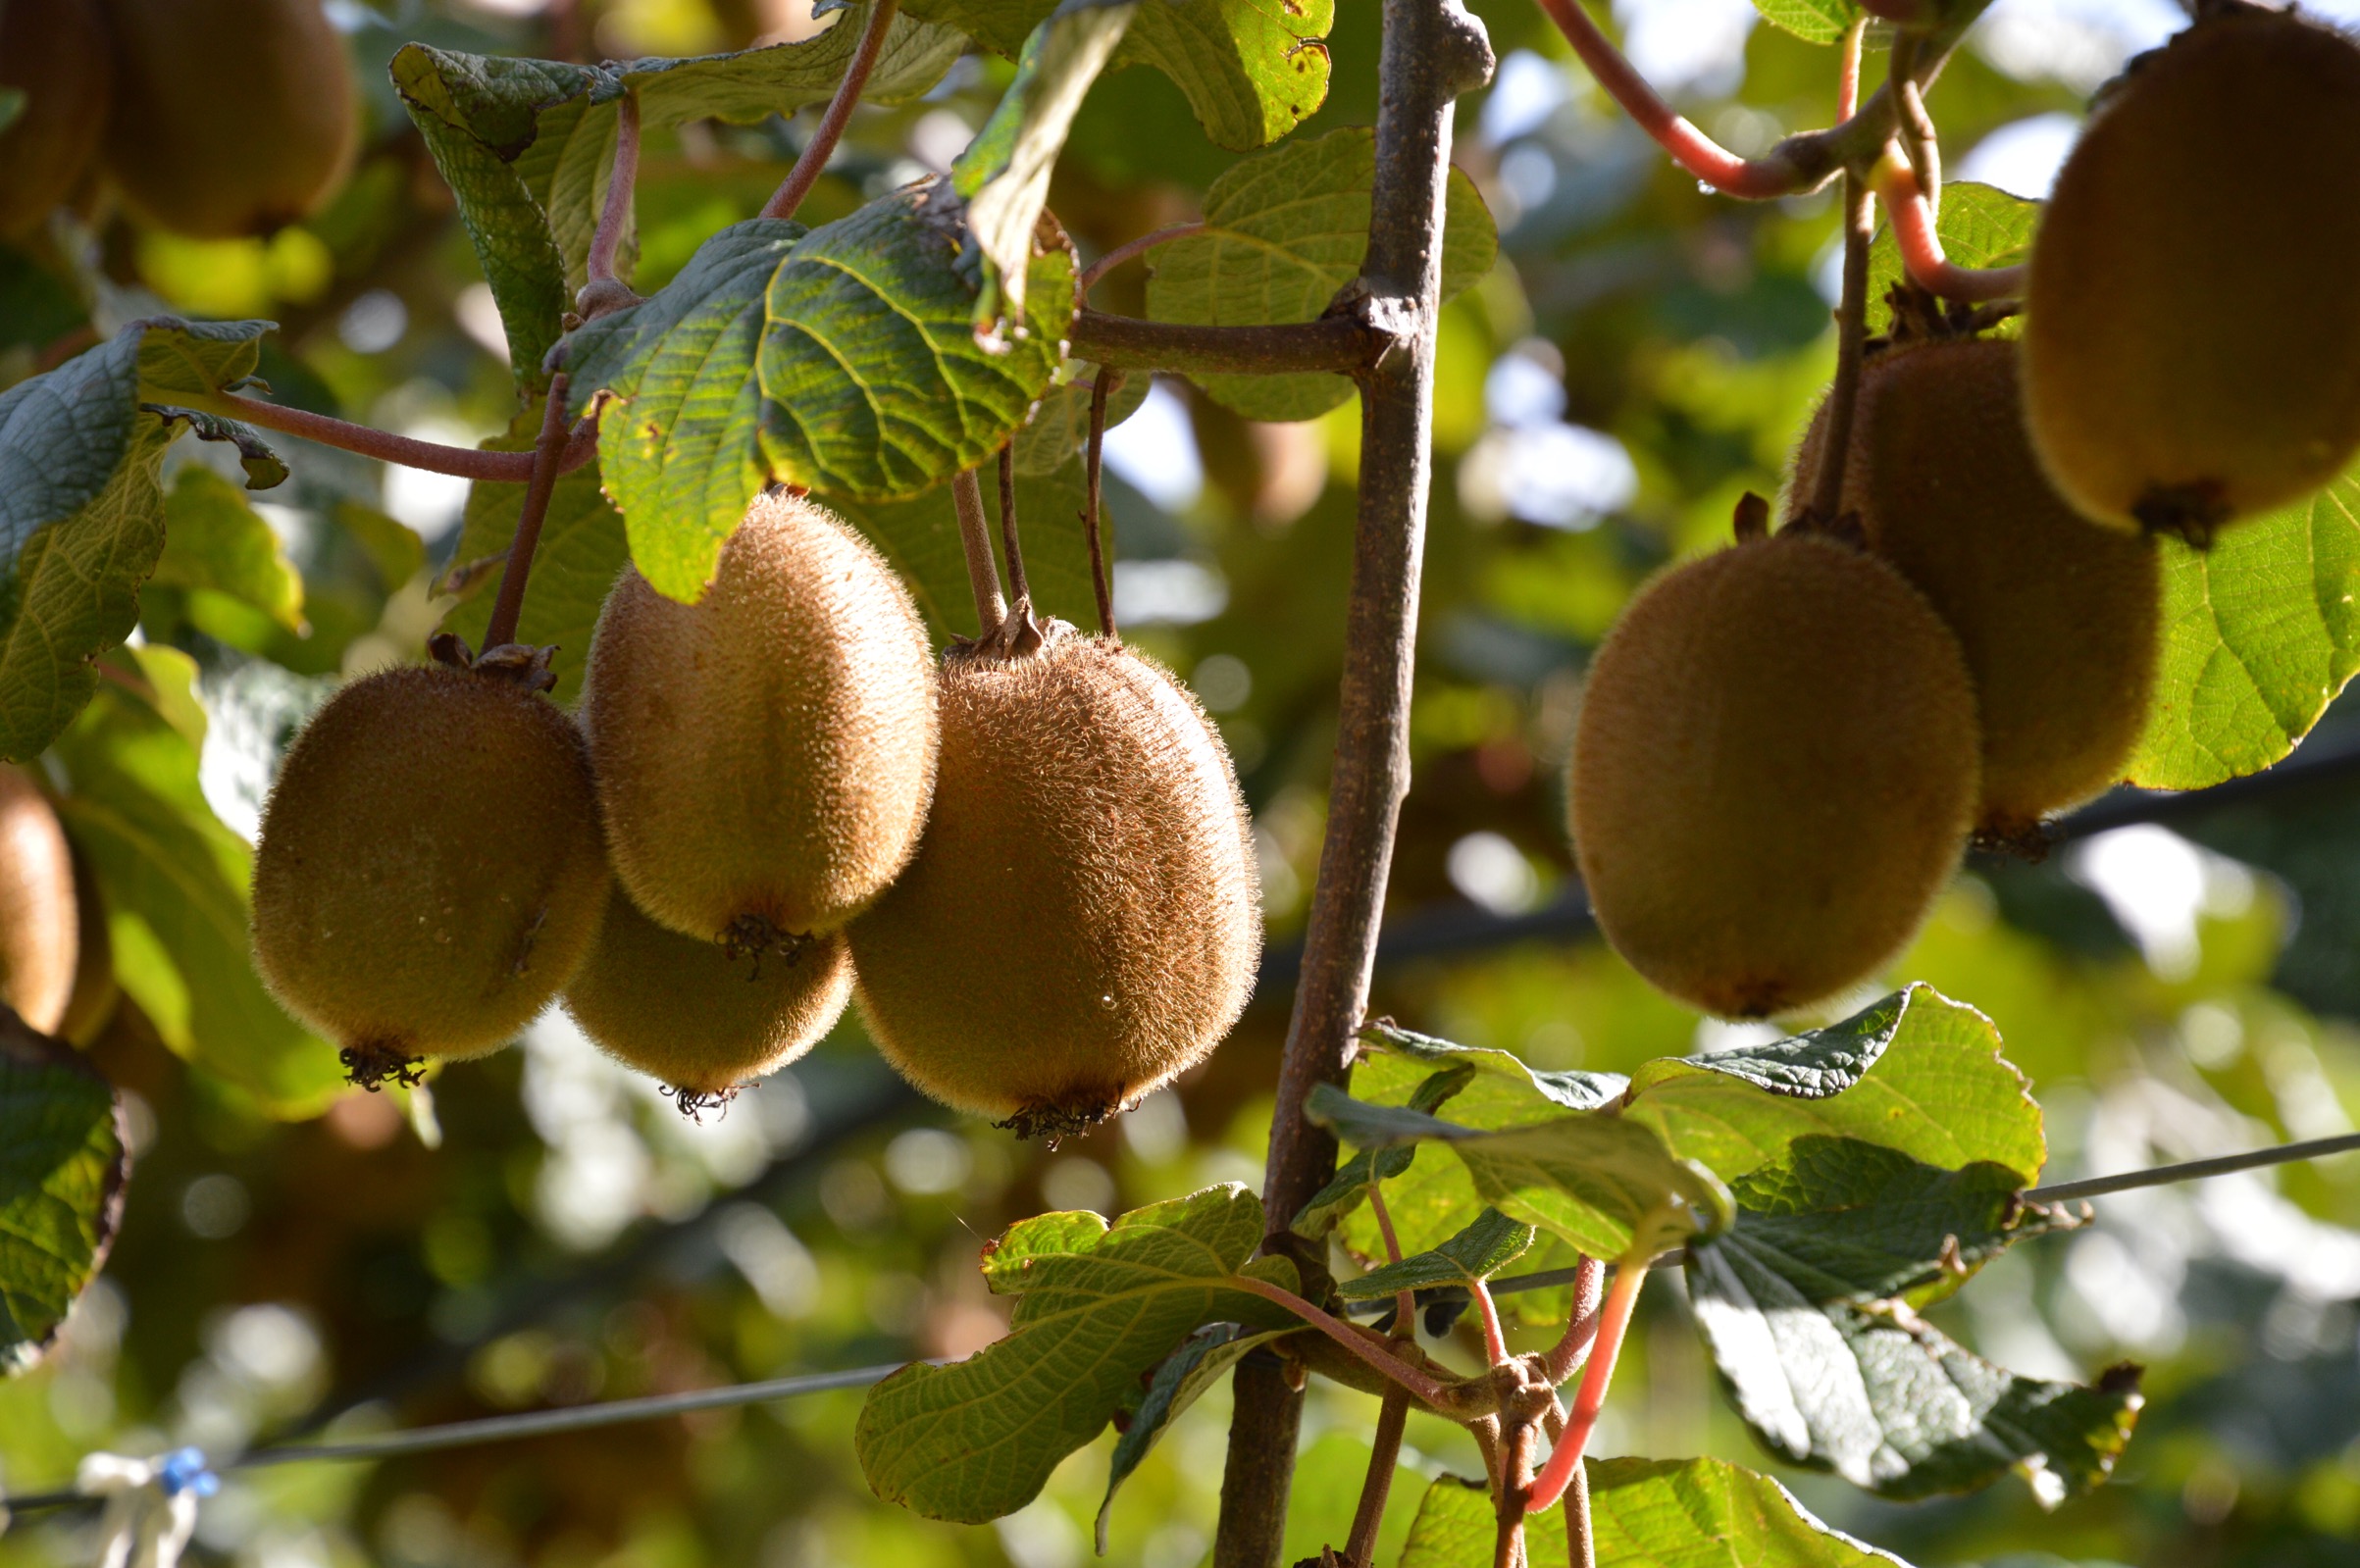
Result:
pixel 1028 859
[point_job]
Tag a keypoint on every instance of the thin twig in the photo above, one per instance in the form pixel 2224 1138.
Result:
pixel 1514 1490
pixel 1495 1342
pixel 2196 1170
pixel 1130 248
pixel 1581 1546
pixel 606 242
pixel 1581 1317
pixel 1851 339
pixel 815 154
pixel 1613 1320
pixel 1427 1390
pixel 1404 1301
pixel 1385 1452
pixel 975 538
pixel 1093 518
pixel 1017 587
pixel 547 453
pixel 433 457
pixel 1920 247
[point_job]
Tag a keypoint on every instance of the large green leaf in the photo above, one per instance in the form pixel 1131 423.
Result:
pixel 174 883
pixel 1097 1307
pixel 216 544
pixel 842 359
pixel 2260 634
pixel 1485 1247
pixel 1061 424
pixel 62 1171
pixel 82 507
pixel 581 553
pixel 1809 1306
pixel 1980 226
pixel 1251 69
pixel 1660 1513
pixel 1283 231
pixel 920 537
pixel 1203 1359
pixel 1357 1177
pixel 526 145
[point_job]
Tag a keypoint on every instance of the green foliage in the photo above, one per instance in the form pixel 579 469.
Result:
pixel 1097 1307
pixel 1061 424
pixel 82 514
pixel 63 1165
pixel 1812 20
pixel 841 359
pixel 1980 226
pixel 1283 231
pixel 1675 1513
pixel 265 469
pixel 1485 1247
pixel 1358 1176
pixel 216 546
pixel 1202 1361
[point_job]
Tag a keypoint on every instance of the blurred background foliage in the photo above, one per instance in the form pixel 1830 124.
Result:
pixel 541 1229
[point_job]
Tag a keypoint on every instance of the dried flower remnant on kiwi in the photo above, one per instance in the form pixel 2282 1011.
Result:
pixel 1082 920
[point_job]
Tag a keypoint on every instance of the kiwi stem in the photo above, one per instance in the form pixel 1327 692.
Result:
pixel 547 453
pixel 1426 1389
pixel 1130 248
pixel 1851 339
pixel 1847 79
pixel 1613 1320
pixel 1404 1301
pixel 1921 247
pixel 608 242
pixel 1516 1489
pixel 1007 525
pixel 1582 1321
pixel 1385 1454
pixel 1918 139
pixel 462 462
pixel 1102 385
pixel 1494 1342
pixel 975 538
pixel 816 152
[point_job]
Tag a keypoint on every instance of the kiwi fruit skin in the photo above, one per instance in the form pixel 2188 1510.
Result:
pixel 684 1011
pixel 430 873
pixel 230 117
pixel 765 755
pixel 90 1005
pixel 1775 770
pixel 1083 918
pixel 2192 331
pixel 56 51
pixel 2060 618
pixel 40 942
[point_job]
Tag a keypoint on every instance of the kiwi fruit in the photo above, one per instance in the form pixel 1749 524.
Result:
pixel 38 942
pixel 91 1002
pixel 2192 331
pixel 2060 619
pixel 56 51
pixel 230 117
pixel 430 872
pixel 682 1010
pixel 764 755
pixel 1083 918
pixel 1775 770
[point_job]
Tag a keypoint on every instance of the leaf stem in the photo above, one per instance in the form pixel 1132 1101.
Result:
pixel 1102 385
pixel 606 242
pixel 1428 1390
pixel 1130 248
pixel 815 154
pixel 1404 1301
pixel 547 453
pixel 1384 1454
pixel 2196 1170
pixel 1582 1321
pixel 462 462
pixel 1017 587
pixel 1341 345
pixel 975 538
pixel 1921 247
pixel 1613 1320
pixel 1847 77
pixel 1920 142
pixel 1495 1342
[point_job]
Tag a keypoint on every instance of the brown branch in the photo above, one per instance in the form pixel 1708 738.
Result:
pixel 547 453
pixel 1094 518
pixel 1340 344
pixel 1433 51
pixel 462 462
pixel 815 154
pixel 1385 1453
pixel 975 538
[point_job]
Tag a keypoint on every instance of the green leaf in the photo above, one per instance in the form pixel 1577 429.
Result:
pixel 842 360
pixel 1251 69
pixel 215 543
pixel 920 537
pixel 1477 1252
pixel 1605 1185
pixel 1348 1189
pixel 1060 422
pixel 265 469
pixel 1283 231
pixel 174 883
pixel 1203 1358
pixel 2260 634
pixel 581 553
pixel 81 516
pixel 1809 1305
pixel 1980 226
pixel 63 1165
pixel 1003 173
pixel 1663 1513
pixel 1097 1307
pixel 1812 20
pixel 526 145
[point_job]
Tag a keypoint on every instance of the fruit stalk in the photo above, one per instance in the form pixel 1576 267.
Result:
pixel 548 452
pixel 814 155
pixel 975 538
pixel 1007 526
pixel 1432 53
pixel 1920 247
pixel 1102 385
pixel 1851 337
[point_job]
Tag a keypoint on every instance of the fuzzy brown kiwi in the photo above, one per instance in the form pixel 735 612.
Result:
pixel 38 941
pixel 1082 921
pixel 2060 618
pixel 230 117
pixel 1775 770
pixel 681 1010
pixel 430 873
pixel 2193 332
pixel 56 51
pixel 764 755
pixel 91 1004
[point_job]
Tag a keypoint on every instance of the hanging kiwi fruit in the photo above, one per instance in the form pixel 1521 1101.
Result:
pixel 56 52
pixel 90 1003
pixel 764 755
pixel 39 946
pixel 680 1009
pixel 430 873
pixel 2192 336
pixel 230 117
pixel 1775 770
pixel 1082 920
pixel 2060 619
